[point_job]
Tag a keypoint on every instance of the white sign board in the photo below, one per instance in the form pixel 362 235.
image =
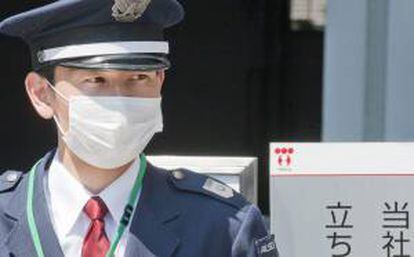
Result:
pixel 342 199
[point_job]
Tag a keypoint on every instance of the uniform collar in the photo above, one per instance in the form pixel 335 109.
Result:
pixel 156 212
pixel 116 195
pixel 150 231
pixel 68 196
pixel 18 240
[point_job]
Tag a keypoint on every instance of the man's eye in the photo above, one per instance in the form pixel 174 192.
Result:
pixel 139 77
pixel 95 80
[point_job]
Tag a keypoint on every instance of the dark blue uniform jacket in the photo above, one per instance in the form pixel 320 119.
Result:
pixel 175 217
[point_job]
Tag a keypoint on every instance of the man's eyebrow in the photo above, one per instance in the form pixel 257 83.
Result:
pixel 75 73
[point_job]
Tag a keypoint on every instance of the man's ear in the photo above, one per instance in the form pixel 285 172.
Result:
pixel 161 76
pixel 40 96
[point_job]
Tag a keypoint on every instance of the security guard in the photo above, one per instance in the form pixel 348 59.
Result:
pixel 98 70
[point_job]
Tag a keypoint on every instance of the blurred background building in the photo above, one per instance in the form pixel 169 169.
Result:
pixel 250 72
pixel 368 81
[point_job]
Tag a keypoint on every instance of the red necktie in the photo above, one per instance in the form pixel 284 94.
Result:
pixel 96 243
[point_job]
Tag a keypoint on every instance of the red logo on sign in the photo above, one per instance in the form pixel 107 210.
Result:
pixel 284 156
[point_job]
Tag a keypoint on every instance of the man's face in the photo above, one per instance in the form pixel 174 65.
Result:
pixel 72 82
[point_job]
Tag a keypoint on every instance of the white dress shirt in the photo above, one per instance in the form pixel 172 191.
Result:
pixel 66 198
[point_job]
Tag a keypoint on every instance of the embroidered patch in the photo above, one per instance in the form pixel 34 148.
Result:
pixel 218 188
pixel 266 247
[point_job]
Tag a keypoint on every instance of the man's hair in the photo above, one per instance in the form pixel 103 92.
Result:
pixel 48 72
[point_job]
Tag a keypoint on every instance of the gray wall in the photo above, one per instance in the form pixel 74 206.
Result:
pixel 368 73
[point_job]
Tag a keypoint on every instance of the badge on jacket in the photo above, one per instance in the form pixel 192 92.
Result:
pixel 266 247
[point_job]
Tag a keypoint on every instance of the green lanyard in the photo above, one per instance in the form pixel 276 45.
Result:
pixel 125 220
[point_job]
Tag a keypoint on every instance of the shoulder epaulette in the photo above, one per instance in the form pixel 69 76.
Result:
pixel 198 183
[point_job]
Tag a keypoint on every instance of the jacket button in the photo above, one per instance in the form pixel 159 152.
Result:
pixel 178 174
pixel 12 177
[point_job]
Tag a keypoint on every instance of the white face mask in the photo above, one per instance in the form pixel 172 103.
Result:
pixel 110 131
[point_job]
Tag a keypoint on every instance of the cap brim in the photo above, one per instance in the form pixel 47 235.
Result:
pixel 143 62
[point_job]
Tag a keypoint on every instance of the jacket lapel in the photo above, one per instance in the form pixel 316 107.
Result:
pixel 19 241
pixel 149 234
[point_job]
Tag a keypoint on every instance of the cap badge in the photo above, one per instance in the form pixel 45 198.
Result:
pixel 129 10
